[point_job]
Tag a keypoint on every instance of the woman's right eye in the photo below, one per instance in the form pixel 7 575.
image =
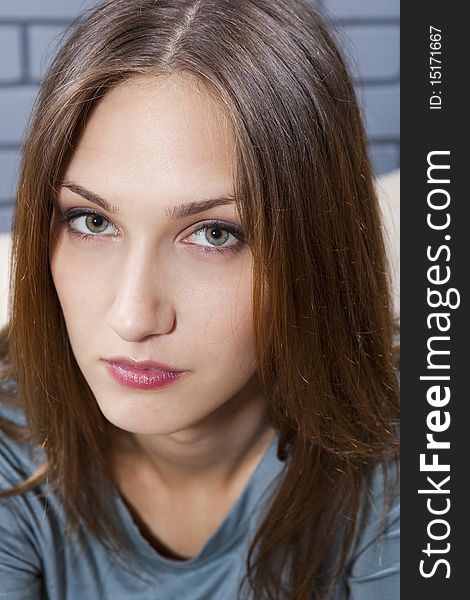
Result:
pixel 88 225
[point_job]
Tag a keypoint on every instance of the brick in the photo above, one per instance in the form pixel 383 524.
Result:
pixel 363 9
pixel 9 160
pixel 15 107
pixel 10 53
pixel 381 106
pixel 43 41
pixel 6 214
pixel 37 9
pixel 373 51
pixel 385 157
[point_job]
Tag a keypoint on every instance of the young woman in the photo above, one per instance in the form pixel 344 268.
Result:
pixel 199 377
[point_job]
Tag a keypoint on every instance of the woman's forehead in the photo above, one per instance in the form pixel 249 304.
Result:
pixel 161 133
pixel 171 113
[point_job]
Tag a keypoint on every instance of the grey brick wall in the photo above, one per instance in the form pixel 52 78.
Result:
pixel 30 31
pixel 369 32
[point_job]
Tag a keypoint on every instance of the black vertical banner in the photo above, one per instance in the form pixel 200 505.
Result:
pixel 435 320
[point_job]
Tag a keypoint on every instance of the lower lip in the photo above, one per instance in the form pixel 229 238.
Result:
pixel 142 379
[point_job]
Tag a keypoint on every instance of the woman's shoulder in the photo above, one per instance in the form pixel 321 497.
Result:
pixel 10 411
pixel 375 559
pixel 27 519
pixel 19 562
pixel 382 503
pixel 19 458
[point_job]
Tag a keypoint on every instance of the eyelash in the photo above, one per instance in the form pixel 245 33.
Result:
pixel 69 216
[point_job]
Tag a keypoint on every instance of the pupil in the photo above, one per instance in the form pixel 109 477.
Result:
pixel 216 233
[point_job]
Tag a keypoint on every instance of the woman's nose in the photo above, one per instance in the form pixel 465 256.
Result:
pixel 142 303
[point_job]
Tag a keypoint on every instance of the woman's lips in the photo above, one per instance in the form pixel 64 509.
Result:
pixel 142 375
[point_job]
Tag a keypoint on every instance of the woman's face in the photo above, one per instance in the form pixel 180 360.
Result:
pixel 149 262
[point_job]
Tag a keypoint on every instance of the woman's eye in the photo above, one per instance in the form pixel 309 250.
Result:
pixel 90 224
pixel 217 237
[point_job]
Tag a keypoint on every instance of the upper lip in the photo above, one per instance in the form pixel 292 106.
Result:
pixel 142 364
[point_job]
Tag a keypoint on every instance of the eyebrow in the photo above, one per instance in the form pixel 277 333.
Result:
pixel 90 196
pixel 180 211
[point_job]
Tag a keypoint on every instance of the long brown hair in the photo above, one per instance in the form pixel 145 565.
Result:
pixel 325 349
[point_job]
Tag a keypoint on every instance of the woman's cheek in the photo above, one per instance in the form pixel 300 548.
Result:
pixel 225 317
pixel 80 278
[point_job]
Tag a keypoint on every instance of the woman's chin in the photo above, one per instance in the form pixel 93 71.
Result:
pixel 145 420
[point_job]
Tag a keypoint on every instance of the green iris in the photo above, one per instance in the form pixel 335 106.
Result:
pixel 216 236
pixel 96 223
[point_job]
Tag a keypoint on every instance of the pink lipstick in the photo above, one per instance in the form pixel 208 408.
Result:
pixel 143 375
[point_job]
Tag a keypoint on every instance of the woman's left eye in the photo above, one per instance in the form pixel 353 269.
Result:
pixel 217 237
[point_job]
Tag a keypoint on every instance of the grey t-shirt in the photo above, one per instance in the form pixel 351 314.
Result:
pixel 37 562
